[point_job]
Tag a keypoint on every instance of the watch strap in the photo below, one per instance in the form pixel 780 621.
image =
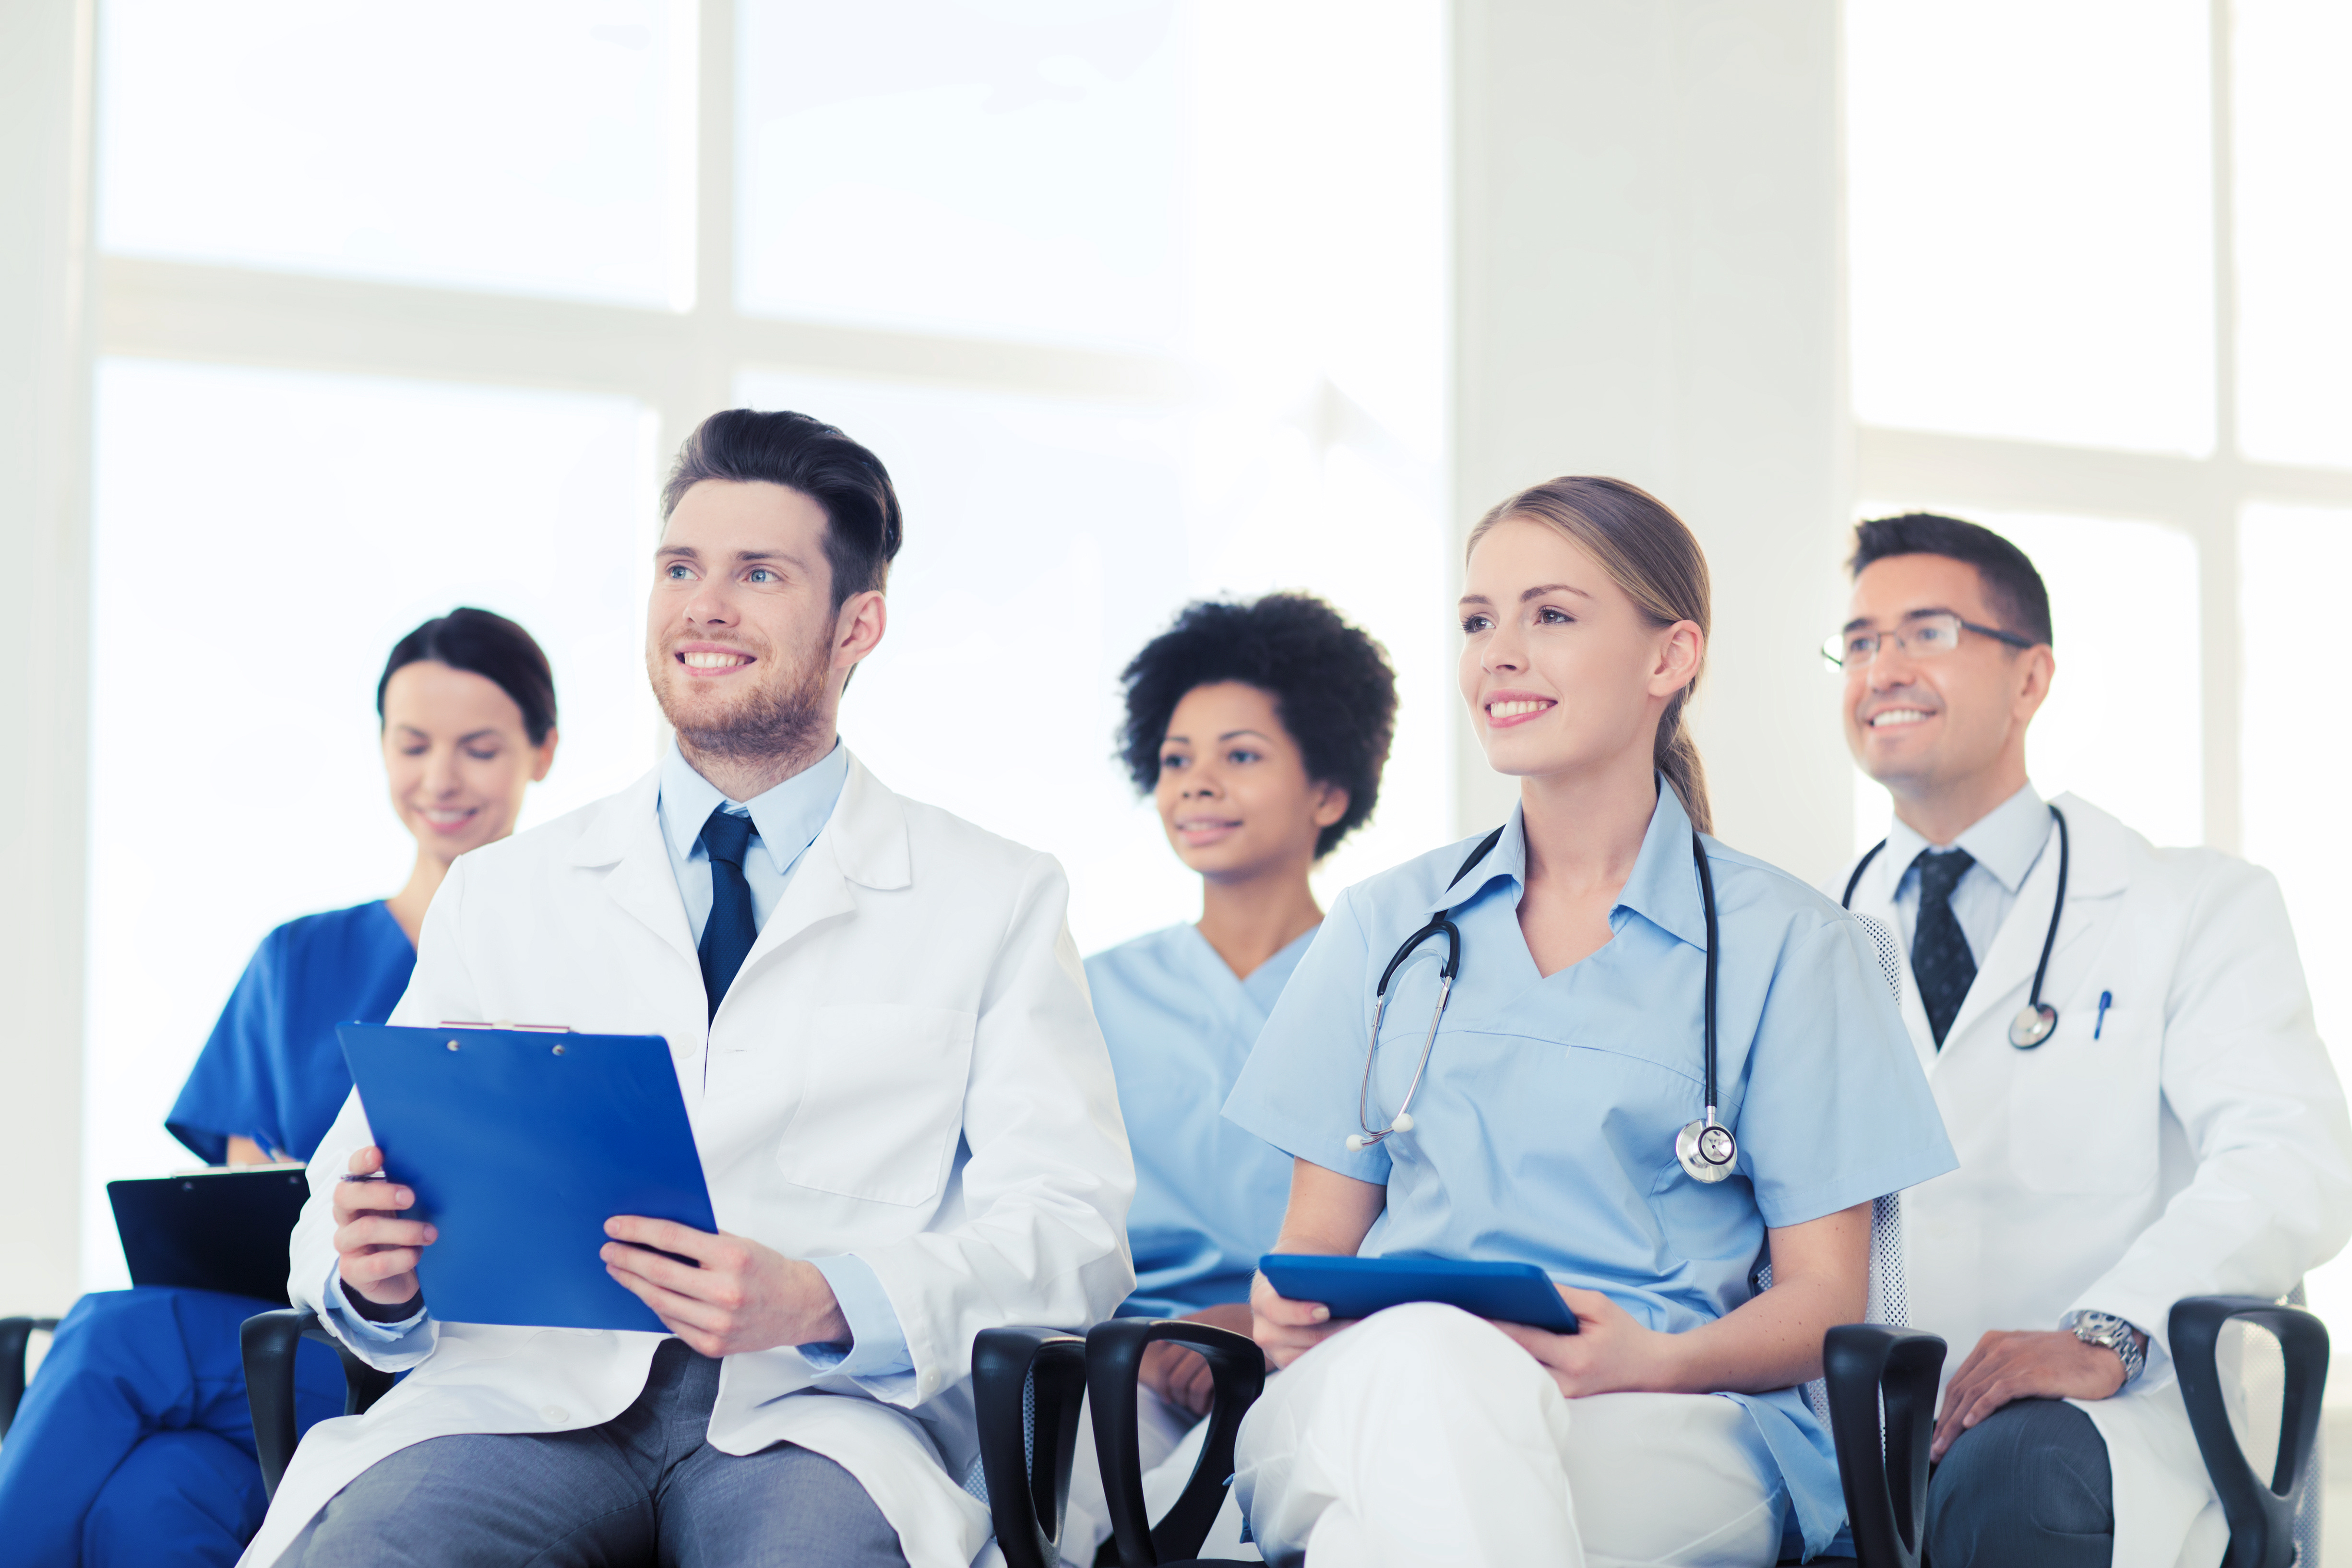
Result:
pixel 2111 1332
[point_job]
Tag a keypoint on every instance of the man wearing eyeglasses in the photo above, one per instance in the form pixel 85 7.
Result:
pixel 2143 1115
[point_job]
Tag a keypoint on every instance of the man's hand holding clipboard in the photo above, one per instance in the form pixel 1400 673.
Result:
pixel 376 1250
pixel 736 1296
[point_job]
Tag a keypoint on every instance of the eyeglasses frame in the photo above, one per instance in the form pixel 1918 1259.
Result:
pixel 1995 633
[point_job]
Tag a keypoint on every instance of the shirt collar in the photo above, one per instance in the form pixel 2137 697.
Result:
pixel 787 817
pixel 2005 841
pixel 1663 887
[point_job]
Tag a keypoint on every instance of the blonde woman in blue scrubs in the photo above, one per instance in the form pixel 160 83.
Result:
pixel 1259 729
pixel 1670 1430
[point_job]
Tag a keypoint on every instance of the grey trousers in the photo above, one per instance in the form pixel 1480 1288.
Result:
pixel 2028 1487
pixel 641 1489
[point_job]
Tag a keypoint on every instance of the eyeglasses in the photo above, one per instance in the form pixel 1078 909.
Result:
pixel 1923 637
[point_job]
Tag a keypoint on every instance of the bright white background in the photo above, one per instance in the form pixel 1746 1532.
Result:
pixel 1248 203
pixel 262 540
pixel 1048 541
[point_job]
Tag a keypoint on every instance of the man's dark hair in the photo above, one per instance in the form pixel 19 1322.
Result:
pixel 2011 587
pixel 488 645
pixel 847 481
pixel 1331 687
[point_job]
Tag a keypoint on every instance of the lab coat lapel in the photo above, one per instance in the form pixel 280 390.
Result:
pixel 2097 874
pixel 626 836
pixel 864 843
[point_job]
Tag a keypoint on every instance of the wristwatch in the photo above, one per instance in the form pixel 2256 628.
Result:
pixel 2108 1330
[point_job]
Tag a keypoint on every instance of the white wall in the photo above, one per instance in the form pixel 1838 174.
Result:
pixel 43 547
pixel 1647 286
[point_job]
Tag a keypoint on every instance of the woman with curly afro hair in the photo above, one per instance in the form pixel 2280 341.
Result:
pixel 1260 730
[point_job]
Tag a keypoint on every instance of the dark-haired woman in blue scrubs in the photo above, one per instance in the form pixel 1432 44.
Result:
pixel 1260 730
pixel 134 1443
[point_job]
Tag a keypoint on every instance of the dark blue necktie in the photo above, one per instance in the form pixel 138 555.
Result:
pixel 730 931
pixel 1940 960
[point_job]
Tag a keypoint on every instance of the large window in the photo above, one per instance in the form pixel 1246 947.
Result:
pixel 1141 300
pixel 2098 253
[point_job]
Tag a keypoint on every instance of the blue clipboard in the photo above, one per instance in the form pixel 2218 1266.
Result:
pixel 520 1146
pixel 1359 1287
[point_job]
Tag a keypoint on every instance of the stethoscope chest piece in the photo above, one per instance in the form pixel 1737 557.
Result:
pixel 2032 1026
pixel 1707 1150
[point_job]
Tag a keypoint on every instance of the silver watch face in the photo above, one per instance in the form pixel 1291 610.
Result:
pixel 2111 1332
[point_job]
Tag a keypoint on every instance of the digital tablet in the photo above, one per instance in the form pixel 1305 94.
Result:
pixel 222 1231
pixel 1359 1287
pixel 521 1144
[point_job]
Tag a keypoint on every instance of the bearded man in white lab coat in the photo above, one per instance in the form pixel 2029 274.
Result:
pixel 903 1109
pixel 2179 1132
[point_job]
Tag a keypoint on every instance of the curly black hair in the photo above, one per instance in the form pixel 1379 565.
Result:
pixel 1331 687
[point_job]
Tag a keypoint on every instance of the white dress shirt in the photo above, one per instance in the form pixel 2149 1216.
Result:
pixel 2005 842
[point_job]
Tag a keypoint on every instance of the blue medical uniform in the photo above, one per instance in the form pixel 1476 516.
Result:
pixel 134 1443
pixel 1543 1130
pixel 1208 1196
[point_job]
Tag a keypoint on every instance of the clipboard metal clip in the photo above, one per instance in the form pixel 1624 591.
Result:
pixel 502 1023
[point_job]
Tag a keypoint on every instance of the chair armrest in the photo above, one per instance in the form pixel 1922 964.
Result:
pixel 1884 1471
pixel 1114 1361
pixel 16 1339
pixel 1027 1384
pixel 268 1341
pixel 2261 1517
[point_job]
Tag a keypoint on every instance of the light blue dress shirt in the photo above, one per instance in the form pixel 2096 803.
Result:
pixel 1544 1130
pixel 1208 1196
pixel 2005 842
pixel 785 820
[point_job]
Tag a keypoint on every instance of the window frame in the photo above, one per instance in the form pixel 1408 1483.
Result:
pixel 2203 497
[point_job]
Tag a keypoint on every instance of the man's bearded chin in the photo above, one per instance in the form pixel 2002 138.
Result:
pixel 779 718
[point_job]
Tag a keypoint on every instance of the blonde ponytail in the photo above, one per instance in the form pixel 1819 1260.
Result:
pixel 1651 555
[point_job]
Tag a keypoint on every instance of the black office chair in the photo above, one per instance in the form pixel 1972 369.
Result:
pixel 1028 1384
pixel 15 1344
pixel 1886 1491
pixel 2276 1523
pixel 268 1341
pixel 1881 1384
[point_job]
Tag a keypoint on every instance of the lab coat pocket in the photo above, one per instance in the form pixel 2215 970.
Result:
pixel 2082 1112
pixel 881 1103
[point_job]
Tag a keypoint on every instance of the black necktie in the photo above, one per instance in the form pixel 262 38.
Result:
pixel 727 934
pixel 1940 960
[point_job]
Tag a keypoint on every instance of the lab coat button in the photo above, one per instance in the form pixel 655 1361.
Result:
pixel 556 1415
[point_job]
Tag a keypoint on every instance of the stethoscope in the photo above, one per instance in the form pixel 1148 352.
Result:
pixel 1707 1149
pixel 2029 1028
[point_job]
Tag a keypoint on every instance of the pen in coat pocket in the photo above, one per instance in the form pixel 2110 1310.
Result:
pixel 2106 1000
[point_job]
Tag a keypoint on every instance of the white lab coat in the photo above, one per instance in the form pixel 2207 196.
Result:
pixel 2198 1146
pixel 907 1068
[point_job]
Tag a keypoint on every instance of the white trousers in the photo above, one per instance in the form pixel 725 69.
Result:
pixel 1425 1437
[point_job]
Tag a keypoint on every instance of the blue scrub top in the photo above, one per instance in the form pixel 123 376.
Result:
pixel 1208 1196
pixel 273 1070
pixel 1544 1132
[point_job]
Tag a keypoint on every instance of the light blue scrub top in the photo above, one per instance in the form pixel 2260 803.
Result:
pixel 1208 1196
pixel 1544 1132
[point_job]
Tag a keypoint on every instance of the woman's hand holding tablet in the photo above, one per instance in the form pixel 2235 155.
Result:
pixel 1611 1352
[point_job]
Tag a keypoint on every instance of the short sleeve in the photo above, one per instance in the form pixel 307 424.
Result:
pixel 229 1092
pixel 1836 1111
pixel 1299 1089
